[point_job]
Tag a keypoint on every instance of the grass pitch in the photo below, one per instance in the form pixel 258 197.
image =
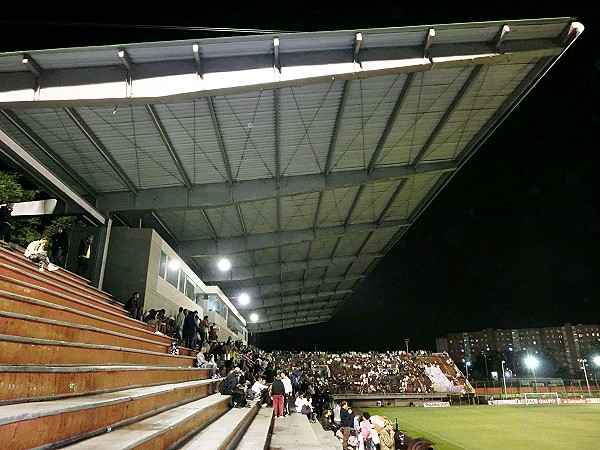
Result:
pixel 484 427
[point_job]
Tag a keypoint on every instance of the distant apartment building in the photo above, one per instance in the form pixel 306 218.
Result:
pixel 568 343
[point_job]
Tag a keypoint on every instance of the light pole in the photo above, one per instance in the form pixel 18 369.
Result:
pixel 406 341
pixel 485 360
pixel 596 360
pixel 532 363
pixel 467 364
pixel 504 379
pixel 583 361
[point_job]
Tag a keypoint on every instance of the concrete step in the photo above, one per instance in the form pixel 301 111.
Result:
pixel 258 434
pixel 41 383
pixel 81 314
pixel 27 292
pixel 59 422
pixel 17 350
pixel 60 276
pixel 46 280
pixel 164 430
pixel 57 330
pixel 294 432
pixel 326 438
pixel 225 432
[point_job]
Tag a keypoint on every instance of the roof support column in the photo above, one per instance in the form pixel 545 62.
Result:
pixel 101 254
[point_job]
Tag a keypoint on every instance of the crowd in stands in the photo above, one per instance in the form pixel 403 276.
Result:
pixel 314 384
pixel 315 378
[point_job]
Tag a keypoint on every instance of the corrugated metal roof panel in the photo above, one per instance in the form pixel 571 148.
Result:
pixel 308 168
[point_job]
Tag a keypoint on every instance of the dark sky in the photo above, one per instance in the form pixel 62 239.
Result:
pixel 512 241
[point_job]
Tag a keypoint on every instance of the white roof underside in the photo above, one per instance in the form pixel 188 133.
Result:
pixel 303 162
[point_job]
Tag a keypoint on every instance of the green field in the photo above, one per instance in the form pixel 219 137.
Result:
pixel 483 427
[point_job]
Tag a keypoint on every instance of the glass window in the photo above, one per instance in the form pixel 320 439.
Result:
pixel 162 268
pixel 182 281
pixel 235 325
pixel 216 305
pixel 172 276
pixel 190 288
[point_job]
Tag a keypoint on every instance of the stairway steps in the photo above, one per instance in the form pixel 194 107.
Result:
pixel 223 433
pixel 71 419
pixel 29 351
pixel 46 294
pixel 294 431
pixel 40 383
pixel 41 328
pixel 257 436
pixel 164 430
pixel 20 304
pixel 18 255
pixel 60 276
pixel 40 280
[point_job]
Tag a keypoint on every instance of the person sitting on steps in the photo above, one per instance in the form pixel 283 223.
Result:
pixel 132 305
pixel 36 252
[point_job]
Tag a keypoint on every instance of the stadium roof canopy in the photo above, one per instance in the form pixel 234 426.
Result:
pixel 302 157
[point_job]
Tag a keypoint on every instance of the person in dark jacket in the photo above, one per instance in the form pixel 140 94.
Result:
pixel 235 388
pixel 190 327
pixel 150 315
pixel 6 221
pixel 278 394
pixel 347 422
pixel 60 247
pixel 132 305
pixel 84 254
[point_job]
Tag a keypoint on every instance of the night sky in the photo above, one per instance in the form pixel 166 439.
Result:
pixel 513 240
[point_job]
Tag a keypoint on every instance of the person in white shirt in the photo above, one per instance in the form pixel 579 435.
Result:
pixel 259 390
pixel 36 252
pixel 337 418
pixel 289 393
pixel 304 406
pixel 204 363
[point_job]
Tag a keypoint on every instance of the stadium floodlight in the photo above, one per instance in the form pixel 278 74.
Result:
pixel 532 363
pixel 597 360
pixel 244 298
pixel 224 264
pixel 254 317
pixel 467 364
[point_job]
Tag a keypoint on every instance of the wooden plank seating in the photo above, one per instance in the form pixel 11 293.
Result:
pixel 37 279
pixel 16 257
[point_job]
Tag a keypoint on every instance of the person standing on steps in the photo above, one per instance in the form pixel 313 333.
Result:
pixel 347 422
pixel 6 221
pixel 59 247
pixel 278 394
pixel 84 253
